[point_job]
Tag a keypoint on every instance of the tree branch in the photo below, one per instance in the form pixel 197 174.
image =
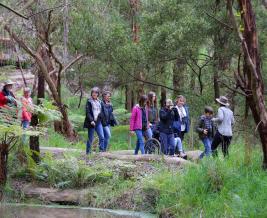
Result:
pixel 14 11
pixel 219 21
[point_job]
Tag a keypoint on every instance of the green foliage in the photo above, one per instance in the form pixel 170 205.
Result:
pixel 68 172
pixel 216 188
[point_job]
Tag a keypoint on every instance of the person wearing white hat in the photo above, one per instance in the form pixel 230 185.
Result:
pixel 7 98
pixel 225 121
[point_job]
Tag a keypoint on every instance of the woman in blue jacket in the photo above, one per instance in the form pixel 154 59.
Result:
pixel 108 118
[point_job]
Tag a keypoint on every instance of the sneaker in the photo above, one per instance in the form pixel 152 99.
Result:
pixel 182 155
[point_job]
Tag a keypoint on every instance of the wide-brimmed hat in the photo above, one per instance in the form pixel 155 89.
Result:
pixel 223 100
pixel 169 102
pixel 8 82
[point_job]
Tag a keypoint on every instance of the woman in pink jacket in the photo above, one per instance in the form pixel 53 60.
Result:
pixel 139 124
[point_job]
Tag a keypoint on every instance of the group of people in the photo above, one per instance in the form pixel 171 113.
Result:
pixel 8 100
pixel 173 122
pixel 99 118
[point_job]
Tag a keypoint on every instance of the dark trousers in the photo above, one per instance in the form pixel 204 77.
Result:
pixel 221 139
pixel 181 135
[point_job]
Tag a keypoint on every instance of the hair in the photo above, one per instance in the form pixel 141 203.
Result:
pixel 105 93
pixel 26 89
pixel 95 89
pixel 180 96
pixel 208 109
pixel 150 101
pixel 142 100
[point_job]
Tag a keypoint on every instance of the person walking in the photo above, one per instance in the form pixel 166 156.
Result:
pixel 93 120
pixel 167 140
pixel 139 124
pixel 206 130
pixel 108 117
pixel 225 121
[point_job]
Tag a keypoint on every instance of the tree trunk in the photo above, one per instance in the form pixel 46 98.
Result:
pixel 34 140
pixel 163 96
pixel 3 165
pixel 128 96
pixel 179 77
pixel 254 85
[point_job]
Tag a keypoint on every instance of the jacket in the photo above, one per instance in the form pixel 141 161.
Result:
pixel 186 119
pixel 89 116
pixel 225 120
pixel 4 101
pixel 136 118
pixel 201 126
pixel 108 116
pixel 166 121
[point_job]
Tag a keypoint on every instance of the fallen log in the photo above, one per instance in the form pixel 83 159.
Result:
pixel 146 158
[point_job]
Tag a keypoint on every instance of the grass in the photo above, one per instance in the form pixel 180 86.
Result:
pixel 216 188
pixel 119 139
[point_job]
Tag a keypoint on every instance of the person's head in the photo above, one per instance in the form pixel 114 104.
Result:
pixel 152 98
pixel 180 100
pixel 106 96
pixel 95 92
pixel 8 85
pixel 27 92
pixel 169 104
pixel 223 101
pixel 142 100
pixel 208 111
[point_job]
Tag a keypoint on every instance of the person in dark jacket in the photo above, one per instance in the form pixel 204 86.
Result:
pixel 108 118
pixel 93 120
pixel 206 130
pixel 166 116
pixel 7 98
pixel 182 117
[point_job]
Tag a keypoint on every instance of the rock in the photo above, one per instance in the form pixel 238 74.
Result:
pixel 67 196
pixel 193 155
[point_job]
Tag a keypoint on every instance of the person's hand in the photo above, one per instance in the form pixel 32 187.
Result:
pixel 150 124
pixel 93 123
pixel 131 133
pixel 213 119
pixel 205 131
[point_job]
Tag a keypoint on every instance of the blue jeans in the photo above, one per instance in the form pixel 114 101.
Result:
pixel 178 144
pixel 207 141
pixel 148 133
pixel 140 142
pixel 25 125
pixel 107 135
pixel 168 143
pixel 99 130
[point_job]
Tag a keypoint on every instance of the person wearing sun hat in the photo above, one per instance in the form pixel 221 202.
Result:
pixel 225 121
pixel 7 98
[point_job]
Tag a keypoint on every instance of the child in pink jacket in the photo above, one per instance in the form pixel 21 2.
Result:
pixel 139 124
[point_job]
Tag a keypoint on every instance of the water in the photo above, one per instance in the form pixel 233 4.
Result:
pixel 47 211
